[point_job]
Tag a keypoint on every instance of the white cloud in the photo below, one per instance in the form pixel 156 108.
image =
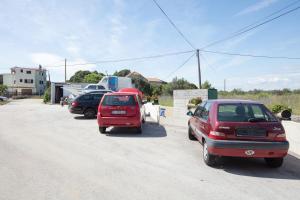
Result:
pixel 45 58
pixel 256 7
pixel 268 81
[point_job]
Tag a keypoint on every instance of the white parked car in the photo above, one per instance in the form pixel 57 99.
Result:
pixel 2 98
pixel 94 87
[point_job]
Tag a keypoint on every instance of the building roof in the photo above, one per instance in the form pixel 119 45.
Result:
pixel 155 80
pixel 31 68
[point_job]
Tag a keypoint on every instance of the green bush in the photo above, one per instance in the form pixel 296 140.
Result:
pixel 277 108
pixel 47 96
pixel 196 100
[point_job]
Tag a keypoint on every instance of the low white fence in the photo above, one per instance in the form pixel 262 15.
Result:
pixel 152 111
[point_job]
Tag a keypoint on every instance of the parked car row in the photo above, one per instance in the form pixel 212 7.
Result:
pixel 234 128
pixel 118 109
pixel 238 128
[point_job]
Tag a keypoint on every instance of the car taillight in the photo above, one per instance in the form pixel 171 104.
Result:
pixel 280 137
pixel 217 135
pixel 74 104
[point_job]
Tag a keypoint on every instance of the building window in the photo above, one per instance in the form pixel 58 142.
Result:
pixel 31 80
pixel 42 74
pixel 14 81
pixel 21 80
pixel 25 80
pixel 21 70
pixel 41 82
pixel 28 72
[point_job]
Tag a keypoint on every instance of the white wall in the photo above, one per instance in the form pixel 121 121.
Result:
pixel 182 97
pixel 152 111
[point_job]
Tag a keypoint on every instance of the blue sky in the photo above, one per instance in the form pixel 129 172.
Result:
pixel 47 31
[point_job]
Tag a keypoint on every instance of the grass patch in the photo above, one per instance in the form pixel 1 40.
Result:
pixel 3 102
pixel 290 100
pixel 166 101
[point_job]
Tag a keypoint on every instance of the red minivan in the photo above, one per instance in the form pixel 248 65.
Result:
pixel 238 128
pixel 121 109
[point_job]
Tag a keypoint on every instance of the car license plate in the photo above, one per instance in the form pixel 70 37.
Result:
pixel 118 112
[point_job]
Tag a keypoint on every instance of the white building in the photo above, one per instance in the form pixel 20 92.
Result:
pixel 26 81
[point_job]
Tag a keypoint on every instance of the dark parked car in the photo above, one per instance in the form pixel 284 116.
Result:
pixel 86 104
pixel 238 128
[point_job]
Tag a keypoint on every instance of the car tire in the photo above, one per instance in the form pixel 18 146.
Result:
pixel 89 113
pixel 102 130
pixel 208 158
pixel 191 136
pixel 274 162
pixel 139 130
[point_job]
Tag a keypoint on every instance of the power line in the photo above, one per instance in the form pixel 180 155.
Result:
pixel 129 59
pixel 266 17
pixel 251 55
pixel 207 63
pixel 180 66
pixel 174 25
pixel 249 29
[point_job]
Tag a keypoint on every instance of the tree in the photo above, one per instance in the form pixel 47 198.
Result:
pixel 177 84
pixel 94 77
pixel 206 85
pixel 156 90
pixel 122 73
pixel 142 85
pixel 79 76
pixel 3 89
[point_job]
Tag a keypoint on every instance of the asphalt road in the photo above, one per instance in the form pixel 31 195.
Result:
pixel 48 153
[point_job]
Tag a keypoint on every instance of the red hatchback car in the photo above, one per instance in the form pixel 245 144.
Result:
pixel 238 128
pixel 121 109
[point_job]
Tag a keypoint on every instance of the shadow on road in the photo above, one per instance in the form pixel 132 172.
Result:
pixel 83 118
pixel 150 129
pixel 257 168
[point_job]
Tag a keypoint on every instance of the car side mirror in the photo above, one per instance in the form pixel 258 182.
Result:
pixel 144 101
pixel 189 113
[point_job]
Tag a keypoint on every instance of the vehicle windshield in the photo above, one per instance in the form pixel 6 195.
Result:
pixel 119 100
pixel 244 113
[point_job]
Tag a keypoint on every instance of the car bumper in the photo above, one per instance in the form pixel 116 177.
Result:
pixel 247 148
pixel 118 121
pixel 75 111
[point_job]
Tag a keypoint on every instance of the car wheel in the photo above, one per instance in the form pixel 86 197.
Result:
pixel 89 113
pixel 274 162
pixel 102 129
pixel 1 99
pixel 208 158
pixel 191 136
pixel 139 130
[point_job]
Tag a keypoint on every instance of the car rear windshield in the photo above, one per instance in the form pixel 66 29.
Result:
pixel 244 113
pixel 119 100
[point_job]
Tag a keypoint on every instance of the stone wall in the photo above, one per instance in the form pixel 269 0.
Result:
pixel 182 97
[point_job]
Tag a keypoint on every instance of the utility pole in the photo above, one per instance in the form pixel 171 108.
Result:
pixel 224 85
pixel 65 70
pixel 199 69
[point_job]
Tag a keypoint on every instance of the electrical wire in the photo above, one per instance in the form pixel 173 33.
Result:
pixel 180 66
pixel 174 25
pixel 249 29
pixel 251 55
pixel 128 59
pixel 266 17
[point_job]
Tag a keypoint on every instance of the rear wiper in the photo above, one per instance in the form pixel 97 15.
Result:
pixel 257 120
